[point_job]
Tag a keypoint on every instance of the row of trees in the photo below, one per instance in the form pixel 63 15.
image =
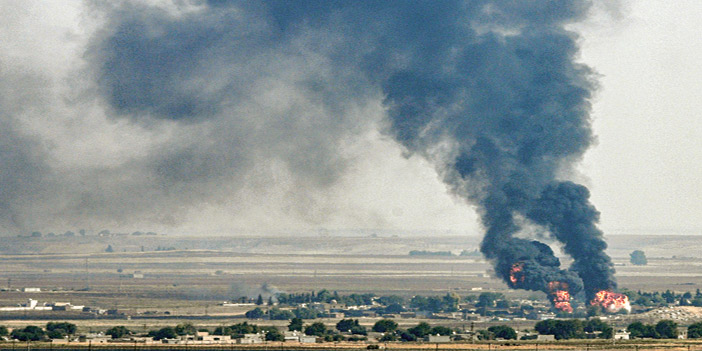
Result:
pixel 421 330
pixel 561 329
pixel 53 330
pixel 655 298
pixel 281 315
pixel 574 328
pixel 325 296
pixel 665 329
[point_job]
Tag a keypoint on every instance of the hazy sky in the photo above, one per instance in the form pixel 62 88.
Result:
pixel 646 173
pixel 81 149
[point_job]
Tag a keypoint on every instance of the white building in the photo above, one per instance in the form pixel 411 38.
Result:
pixel 621 335
pixel 251 339
pixel 308 339
pixel 438 338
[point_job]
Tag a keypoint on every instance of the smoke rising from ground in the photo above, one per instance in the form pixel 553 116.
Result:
pixel 164 109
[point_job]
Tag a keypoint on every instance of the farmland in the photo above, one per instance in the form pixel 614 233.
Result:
pixel 195 275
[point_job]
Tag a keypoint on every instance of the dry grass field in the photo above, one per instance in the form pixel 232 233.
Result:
pixel 202 272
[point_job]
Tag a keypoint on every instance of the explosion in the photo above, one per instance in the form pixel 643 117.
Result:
pixel 611 301
pixel 516 273
pixel 560 296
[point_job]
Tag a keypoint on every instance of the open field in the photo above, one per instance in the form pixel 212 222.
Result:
pixel 580 345
pixel 190 281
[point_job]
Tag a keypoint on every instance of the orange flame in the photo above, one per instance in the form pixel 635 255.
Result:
pixel 560 296
pixel 611 301
pixel 561 300
pixel 516 273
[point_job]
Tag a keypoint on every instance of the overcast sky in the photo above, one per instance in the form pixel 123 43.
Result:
pixel 81 148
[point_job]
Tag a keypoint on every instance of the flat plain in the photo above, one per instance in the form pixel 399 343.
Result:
pixel 191 276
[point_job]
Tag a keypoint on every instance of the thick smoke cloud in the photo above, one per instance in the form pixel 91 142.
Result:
pixel 510 104
pixel 224 101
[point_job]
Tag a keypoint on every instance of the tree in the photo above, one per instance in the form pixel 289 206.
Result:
pixel 270 301
pixel 346 325
pixel 259 300
pixel 638 258
pixel 385 326
pixel 406 336
pixel 163 333
pixel 440 330
pixel 4 331
pixel 450 302
pixel 488 299
pixel 391 300
pixel 237 330
pixel 295 324
pixel 185 329
pixel 596 324
pixel 694 331
pixel 28 333
pixel 640 330
pixel 316 328
pixel 256 313
pixel 560 329
pixel 420 330
pixel 667 329
pixel 359 330
pixel 485 335
pixel 273 334
pixel 388 337
pixel 305 313
pixel 59 330
pixel 394 308
pixel 280 315
pixel 109 249
pixel 503 332
pixel 117 332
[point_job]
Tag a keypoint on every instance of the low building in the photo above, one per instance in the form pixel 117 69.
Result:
pixel 250 339
pixel 142 339
pixel 291 336
pixel 98 338
pixel 622 335
pixel 545 316
pixel 469 336
pixel 438 338
pixel 546 338
pixel 215 339
pixel 308 339
pixel 31 290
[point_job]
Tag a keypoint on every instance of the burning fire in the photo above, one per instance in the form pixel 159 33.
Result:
pixel 611 301
pixel 560 296
pixel 516 273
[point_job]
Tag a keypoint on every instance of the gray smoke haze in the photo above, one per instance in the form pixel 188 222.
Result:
pixel 170 108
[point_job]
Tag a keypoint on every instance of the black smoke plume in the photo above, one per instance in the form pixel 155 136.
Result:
pixel 503 107
pixel 233 97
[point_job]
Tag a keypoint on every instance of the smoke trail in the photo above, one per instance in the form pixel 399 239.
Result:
pixel 504 107
pixel 564 209
pixel 225 99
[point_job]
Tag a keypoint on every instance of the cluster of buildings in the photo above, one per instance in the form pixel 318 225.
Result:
pixel 200 338
pixel 33 305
